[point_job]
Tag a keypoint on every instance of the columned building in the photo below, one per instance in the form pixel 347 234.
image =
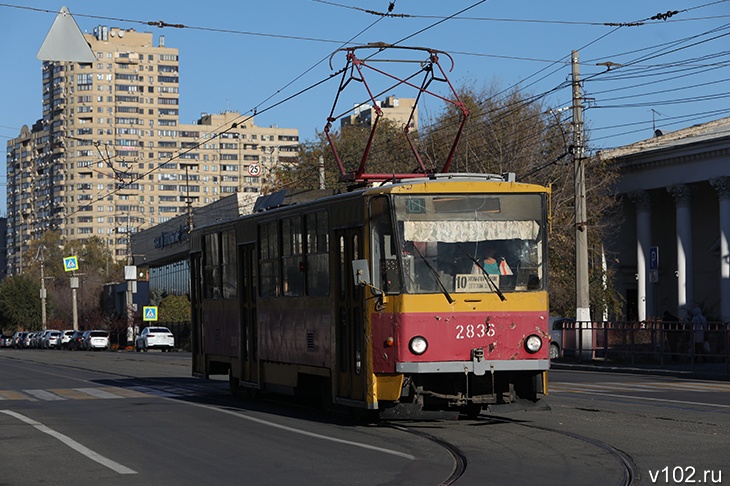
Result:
pixel 672 246
pixel 110 156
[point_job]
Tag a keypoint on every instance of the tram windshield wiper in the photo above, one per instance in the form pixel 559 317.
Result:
pixel 435 275
pixel 486 274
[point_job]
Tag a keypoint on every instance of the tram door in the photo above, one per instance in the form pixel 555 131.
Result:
pixel 247 299
pixel 196 294
pixel 350 333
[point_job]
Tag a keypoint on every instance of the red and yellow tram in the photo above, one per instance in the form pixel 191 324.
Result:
pixel 380 299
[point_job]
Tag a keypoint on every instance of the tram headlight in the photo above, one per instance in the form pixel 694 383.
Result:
pixel 418 345
pixel 533 343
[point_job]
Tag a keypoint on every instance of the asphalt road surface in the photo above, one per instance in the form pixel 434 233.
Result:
pixel 140 418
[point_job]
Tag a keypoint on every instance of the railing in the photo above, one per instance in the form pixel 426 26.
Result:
pixel 639 343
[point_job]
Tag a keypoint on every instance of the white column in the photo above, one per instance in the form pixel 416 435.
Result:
pixel 685 262
pixel 722 186
pixel 642 201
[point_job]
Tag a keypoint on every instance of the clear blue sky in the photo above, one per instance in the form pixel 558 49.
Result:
pixel 246 55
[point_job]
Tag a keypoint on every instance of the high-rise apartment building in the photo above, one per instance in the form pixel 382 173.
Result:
pixel 397 110
pixel 110 156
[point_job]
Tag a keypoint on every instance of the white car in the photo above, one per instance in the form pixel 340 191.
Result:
pixel 51 339
pixel 155 338
pixel 65 338
pixel 97 340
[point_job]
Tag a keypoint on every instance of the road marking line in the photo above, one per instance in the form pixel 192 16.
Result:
pixel 650 399
pixel 125 392
pixel 647 387
pixel 15 395
pixel 44 395
pixel 302 432
pixel 72 394
pixel 98 393
pixel 94 456
pixel 720 387
pixel 153 391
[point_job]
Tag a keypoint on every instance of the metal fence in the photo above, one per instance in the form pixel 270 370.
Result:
pixel 655 342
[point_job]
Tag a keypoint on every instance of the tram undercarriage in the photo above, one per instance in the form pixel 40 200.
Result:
pixel 427 394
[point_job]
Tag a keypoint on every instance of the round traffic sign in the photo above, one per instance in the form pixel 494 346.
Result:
pixel 254 169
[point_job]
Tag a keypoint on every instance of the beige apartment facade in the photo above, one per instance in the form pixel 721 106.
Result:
pixel 110 156
pixel 397 110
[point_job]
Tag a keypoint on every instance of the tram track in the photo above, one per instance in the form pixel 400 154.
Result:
pixel 631 474
pixel 460 460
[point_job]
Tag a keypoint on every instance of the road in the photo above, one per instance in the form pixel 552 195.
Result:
pixel 139 418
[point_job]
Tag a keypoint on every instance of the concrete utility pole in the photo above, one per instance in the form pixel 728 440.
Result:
pixel 322 184
pixel 582 297
pixel 43 287
pixel 130 275
pixel 74 283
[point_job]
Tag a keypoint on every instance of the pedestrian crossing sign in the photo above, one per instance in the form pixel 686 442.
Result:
pixel 149 313
pixel 70 264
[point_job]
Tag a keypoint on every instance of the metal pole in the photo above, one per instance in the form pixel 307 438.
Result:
pixel 74 285
pixel 43 298
pixel 40 258
pixel 582 297
pixel 130 293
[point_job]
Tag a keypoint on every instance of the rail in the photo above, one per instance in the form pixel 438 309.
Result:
pixel 639 343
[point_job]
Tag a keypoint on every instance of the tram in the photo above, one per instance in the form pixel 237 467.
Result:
pixel 379 299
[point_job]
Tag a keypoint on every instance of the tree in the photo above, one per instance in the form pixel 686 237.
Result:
pixel 517 133
pixel 388 154
pixel 20 305
pixel 512 132
pixel 97 266
pixel 174 308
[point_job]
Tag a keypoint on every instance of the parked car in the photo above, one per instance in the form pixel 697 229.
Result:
pixel 96 340
pixel 77 341
pixel 65 338
pixel 41 339
pixel 6 341
pixel 51 339
pixel 557 342
pixel 155 338
pixel 85 340
pixel 28 340
pixel 19 339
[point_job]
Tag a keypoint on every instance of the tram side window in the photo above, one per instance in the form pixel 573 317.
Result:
pixel 269 279
pixel 292 257
pixel 212 277
pixel 228 264
pixel 317 247
pixel 384 266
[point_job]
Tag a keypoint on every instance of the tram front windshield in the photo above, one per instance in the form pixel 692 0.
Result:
pixel 457 242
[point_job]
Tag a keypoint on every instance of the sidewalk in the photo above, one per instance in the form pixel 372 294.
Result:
pixel 700 371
